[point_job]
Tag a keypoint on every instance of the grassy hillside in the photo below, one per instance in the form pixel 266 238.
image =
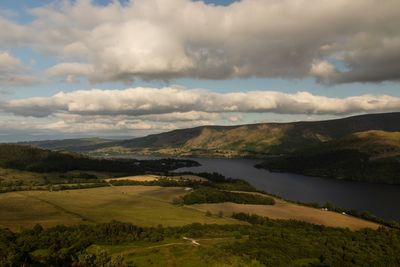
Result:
pixel 372 156
pixel 256 140
pixel 141 205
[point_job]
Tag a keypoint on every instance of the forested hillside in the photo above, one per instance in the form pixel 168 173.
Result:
pixel 372 156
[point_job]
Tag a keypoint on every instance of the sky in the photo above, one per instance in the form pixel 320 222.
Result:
pixel 121 69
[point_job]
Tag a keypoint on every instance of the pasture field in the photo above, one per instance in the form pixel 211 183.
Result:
pixel 140 205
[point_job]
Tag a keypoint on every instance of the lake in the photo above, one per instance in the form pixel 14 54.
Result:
pixel 379 199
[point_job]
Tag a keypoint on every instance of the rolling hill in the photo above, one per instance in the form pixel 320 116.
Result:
pixel 372 156
pixel 255 140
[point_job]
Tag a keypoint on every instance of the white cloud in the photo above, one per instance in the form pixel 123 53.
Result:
pixel 13 73
pixel 171 103
pixel 158 39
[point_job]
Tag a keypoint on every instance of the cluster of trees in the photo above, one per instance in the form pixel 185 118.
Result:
pixel 213 195
pixel 38 160
pixel 337 163
pixel 221 182
pixel 270 242
pixel 285 243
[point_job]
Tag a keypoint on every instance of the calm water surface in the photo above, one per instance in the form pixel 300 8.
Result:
pixel 379 199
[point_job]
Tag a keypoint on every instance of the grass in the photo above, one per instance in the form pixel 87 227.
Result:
pixel 19 211
pixel 139 178
pixel 140 205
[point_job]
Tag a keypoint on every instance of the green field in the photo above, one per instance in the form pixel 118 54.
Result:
pixel 140 205
pixel 179 252
pixel 145 206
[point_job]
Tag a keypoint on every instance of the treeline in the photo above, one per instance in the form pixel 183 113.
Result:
pixel 269 242
pixel 212 195
pixel 28 158
pixel 341 164
pixel 163 182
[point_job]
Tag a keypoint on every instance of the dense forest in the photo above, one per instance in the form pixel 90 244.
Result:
pixel 270 242
pixel 281 243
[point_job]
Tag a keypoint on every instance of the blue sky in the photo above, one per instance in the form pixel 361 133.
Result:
pixel 44 53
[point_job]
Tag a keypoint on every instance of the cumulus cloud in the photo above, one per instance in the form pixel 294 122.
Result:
pixel 158 39
pixel 70 72
pixel 13 73
pixel 169 103
pixel 323 71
